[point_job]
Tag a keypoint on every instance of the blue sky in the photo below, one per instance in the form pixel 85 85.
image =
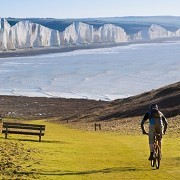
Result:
pixel 87 8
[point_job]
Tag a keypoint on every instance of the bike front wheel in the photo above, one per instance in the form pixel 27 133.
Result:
pixel 153 162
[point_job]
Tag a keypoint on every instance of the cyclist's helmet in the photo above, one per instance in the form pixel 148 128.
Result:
pixel 153 106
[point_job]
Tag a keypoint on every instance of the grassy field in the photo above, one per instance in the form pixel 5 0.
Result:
pixel 67 153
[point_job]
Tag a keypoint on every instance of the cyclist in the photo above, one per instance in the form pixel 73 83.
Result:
pixel 157 124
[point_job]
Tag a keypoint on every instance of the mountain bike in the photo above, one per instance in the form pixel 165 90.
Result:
pixel 157 152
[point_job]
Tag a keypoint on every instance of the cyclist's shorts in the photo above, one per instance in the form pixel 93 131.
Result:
pixel 152 130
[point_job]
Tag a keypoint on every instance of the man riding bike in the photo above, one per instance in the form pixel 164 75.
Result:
pixel 157 124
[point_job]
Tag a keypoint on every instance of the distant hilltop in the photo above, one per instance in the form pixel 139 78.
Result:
pixel 28 34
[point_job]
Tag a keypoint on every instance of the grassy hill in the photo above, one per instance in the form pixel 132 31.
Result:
pixel 66 153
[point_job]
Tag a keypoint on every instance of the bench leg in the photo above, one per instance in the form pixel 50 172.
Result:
pixel 6 132
pixel 5 135
pixel 39 138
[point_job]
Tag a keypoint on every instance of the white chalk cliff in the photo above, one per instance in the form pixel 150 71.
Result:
pixel 155 32
pixel 81 33
pixel 26 34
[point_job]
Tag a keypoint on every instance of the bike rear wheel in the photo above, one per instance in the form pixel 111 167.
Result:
pixel 158 157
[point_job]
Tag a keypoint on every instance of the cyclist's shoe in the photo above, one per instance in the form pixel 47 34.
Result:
pixel 151 157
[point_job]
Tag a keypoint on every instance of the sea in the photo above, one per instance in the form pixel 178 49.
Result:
pixel 100 74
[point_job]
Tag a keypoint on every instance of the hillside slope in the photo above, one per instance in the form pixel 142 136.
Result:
pixel 167 98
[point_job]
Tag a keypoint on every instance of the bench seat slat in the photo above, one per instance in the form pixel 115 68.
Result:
pixel 21 132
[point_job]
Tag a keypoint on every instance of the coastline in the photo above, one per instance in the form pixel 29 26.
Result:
pixel 53 49
pixel 24 107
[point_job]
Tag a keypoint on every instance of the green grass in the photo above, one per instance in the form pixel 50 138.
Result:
pixel 66 153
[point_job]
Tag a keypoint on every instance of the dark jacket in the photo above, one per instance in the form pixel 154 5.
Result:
pixel 154 117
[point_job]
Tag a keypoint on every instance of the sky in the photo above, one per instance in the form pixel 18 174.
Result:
pixel 63 9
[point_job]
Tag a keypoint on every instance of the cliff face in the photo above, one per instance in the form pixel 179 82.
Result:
pixel 26 34
pixel 111 33
pixel 78 33
pixel 81 33
pixel 155 32
pixel 5 35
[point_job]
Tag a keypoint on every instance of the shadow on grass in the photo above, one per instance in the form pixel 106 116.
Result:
pixel 176 158
pixel 60 142
pixel 36 140
pixel 106 170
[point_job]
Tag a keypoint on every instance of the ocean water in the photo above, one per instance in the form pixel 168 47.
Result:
pixel 106 74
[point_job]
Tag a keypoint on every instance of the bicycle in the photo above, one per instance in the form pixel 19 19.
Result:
pixel 157 152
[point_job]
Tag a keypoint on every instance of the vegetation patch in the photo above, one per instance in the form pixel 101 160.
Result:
pixel 15 158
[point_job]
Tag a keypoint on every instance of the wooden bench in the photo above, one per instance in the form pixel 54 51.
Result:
pixel 20 128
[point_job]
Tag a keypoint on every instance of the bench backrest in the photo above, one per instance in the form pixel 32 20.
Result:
pixel 10 125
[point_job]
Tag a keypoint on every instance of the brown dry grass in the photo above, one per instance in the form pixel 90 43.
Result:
pixel 125 126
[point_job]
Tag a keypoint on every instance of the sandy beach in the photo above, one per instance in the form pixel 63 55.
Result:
pixel 49 50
